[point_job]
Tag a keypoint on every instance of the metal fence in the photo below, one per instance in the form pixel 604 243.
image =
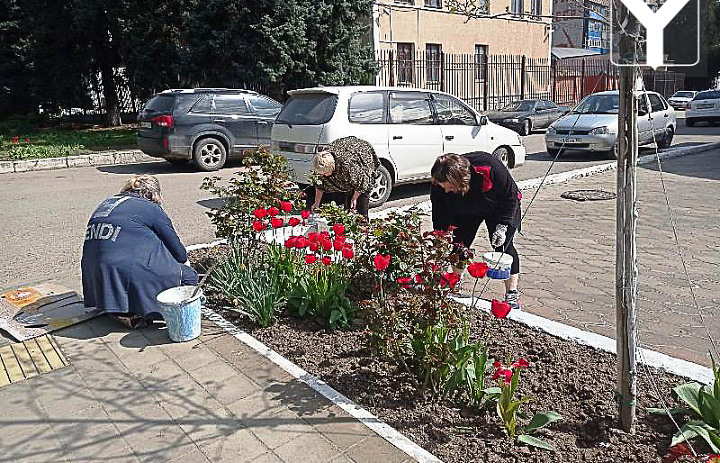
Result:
pixel 489 82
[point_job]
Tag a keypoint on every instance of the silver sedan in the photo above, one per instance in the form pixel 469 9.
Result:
pixel 593 124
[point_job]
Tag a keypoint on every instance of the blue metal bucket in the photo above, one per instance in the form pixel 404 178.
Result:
pixel 182 312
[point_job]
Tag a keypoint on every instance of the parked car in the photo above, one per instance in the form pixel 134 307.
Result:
pixel 680 99
pixel 704 107
pixel 523 116
pixel 593 124
pixel 205 125
pixel 408 128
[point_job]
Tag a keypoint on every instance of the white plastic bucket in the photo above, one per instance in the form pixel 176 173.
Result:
pixel 499 265
pixel 182 312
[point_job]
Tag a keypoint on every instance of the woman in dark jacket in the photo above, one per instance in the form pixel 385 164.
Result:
pixel 475 188
pixel 347 167
pixel 132 253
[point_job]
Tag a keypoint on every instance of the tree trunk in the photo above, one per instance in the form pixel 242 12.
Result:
pixel 112 110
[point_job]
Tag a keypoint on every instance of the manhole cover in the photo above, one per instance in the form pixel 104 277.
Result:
pixel 588 195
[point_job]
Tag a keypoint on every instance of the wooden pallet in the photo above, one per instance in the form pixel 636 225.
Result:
pixel 32 357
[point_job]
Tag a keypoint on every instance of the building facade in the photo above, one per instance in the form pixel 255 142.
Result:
pixel 410 26
pixel 582 24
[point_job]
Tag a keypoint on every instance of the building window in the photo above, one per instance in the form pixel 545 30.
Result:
pixel 536 8
pixel 517 7
pixel 433 3
pixel 405 62
pixel 481 56
pixel 433 56
pixel 405 2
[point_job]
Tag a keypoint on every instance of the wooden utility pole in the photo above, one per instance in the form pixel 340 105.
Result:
pixel 626 261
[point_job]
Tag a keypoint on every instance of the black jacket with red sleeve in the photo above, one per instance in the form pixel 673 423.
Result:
pixel 493 195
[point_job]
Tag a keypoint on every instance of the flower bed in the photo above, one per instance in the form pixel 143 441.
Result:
pixel 577 381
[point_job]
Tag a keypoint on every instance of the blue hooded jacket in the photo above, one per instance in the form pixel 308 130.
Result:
pixel 130 255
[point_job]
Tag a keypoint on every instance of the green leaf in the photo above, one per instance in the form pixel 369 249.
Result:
pixel 541 420
pixel 535 442
pixel 672 411
pixel 689 393
pixel 683 434
pixel 705 433
pixel 710 409
pixel 493 390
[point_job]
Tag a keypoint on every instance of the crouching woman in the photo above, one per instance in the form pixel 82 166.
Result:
pixel 132 253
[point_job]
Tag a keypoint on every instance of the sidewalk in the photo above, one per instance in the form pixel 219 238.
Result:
pixel 130 396
pixel 567 256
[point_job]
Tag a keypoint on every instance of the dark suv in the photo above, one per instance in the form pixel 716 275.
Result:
pixel 205 125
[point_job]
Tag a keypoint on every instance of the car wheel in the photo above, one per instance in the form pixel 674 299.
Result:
pixel 666 140
pixel 503 154
pixel 209 154
pixel 613 153
pixel 553 152
pixel 382 188
pixel 690 122
pixel 178 162
pixel 526 127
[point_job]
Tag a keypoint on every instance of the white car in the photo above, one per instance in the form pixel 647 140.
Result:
pixel 704 107
pixel 408 128
pixel 680 99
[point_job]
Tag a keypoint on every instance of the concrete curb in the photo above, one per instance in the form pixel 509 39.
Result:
pixel 101 158
pixel 382 429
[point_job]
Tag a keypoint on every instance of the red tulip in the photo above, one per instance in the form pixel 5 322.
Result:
pixel 291 242
pixel 301 242
pixel 273 211
pixel 478 269
pixel 326 244
pixel 27 140
pixel 276 222
pixel 338 245
pixel 258 226
pixel 310 258
pixel 314 246
pixel 521 363
pixel 313 237
pixel 286 206
pixel 450 279
pixel 381 262
pixel 418 279
pixel 260 213
pixel 305 214
pixel 293 221
pixel 499 309
pixel 326 260
pixel 338 229
pixel 405 281
pixel 348 253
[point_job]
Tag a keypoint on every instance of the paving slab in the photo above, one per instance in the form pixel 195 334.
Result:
pixel 135 396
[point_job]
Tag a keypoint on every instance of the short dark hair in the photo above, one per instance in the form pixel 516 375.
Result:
pixel 454 169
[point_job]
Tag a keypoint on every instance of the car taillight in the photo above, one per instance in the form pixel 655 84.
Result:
pixel 687 106
pixel 163 121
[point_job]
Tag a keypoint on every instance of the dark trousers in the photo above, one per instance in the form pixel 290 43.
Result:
pixel 467 228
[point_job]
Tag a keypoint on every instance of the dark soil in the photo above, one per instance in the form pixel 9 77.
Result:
pixel 577 381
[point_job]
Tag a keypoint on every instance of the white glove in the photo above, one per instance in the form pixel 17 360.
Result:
pixel 498 237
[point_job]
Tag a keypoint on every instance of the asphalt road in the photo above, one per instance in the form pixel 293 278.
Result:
pixel 44 213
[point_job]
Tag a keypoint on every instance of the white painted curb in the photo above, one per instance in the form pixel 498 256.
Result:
pixel 365 417
pixel 101 158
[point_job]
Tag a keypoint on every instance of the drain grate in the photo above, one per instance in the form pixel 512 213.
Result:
pixel 588 195
pixel 23 360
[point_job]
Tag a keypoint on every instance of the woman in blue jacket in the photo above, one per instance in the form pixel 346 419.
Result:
pixel 132 253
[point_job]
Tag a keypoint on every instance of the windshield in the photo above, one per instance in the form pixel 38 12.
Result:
pixel 598 104
pixel 308 109
pixel 683 94
pixel 519 106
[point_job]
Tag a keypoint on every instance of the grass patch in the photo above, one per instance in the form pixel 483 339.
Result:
pixel 24 138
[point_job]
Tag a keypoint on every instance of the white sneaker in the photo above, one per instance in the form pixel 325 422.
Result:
pixel 512 297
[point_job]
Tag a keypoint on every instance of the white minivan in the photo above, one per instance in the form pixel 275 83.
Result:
pixel 408 128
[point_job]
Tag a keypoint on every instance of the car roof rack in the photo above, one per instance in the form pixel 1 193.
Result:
pixel 207 90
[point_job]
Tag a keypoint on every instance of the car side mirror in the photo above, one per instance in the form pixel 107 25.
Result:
pixel 483 120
